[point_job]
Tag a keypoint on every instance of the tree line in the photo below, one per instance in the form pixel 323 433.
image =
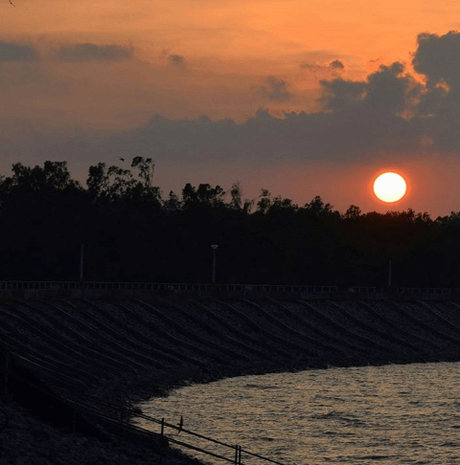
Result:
pixel 132 232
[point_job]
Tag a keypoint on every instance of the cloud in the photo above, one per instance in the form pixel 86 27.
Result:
pixel 389 115
pixel 388 91
pixel 12 51
pixel 276 90
pixel 337 65
pixel 92 52
pixel 339 94
pixel 438 57
pixel 310 66
pixel 358 120
pixel 176 60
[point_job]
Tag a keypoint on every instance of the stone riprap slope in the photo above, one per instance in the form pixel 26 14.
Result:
pixel 26 440
pixel 101 353
pixel 91 350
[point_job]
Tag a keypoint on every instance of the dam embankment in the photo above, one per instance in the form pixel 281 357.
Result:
pixel 100 352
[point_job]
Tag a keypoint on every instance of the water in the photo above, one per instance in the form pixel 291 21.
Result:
pixel 396 414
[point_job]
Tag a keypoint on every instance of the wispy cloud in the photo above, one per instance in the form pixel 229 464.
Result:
pixel 92 52
pixel 334 67
pixel 276 89
pixel 13 51
pixel 176 60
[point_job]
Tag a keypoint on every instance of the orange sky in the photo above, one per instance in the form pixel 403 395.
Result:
pixel 225 59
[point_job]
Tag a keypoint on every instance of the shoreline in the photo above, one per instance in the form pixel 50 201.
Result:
pixel 130 351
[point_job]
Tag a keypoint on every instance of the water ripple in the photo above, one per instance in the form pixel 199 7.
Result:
pixel 396 414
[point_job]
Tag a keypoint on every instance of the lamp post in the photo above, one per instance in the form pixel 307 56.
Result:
pixel 214 247
pixel 389 273
pixel 82 254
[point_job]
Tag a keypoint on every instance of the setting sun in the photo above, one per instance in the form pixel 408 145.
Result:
pixel 390 187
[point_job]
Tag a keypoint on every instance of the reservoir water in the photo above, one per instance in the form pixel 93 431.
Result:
pixel 395 414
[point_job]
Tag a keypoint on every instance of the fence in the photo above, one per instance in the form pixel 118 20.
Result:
pixel 145 286
pixel 428 290
pixel 117 421
pixel 236 452
pixel 96 289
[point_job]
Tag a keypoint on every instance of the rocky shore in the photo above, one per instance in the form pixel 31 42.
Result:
pixel 27 441
pixel 68 364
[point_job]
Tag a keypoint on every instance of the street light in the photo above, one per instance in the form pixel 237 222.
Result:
pixel 214 247
pixel 389 273
pixel 82 255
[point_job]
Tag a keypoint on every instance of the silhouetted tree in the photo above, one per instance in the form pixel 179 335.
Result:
pixel 265 201
pixel 131 233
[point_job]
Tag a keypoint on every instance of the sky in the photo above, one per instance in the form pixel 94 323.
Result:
pixel 300 97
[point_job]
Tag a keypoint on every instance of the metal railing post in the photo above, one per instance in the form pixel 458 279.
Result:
pixel 122 414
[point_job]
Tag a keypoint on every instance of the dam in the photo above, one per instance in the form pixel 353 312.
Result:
pixel 99 345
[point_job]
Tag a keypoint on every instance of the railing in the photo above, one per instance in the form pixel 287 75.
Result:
pixel 428 290
pixel 236 451
pixel 38 286
pixel 69 285
pixel 363 289
pixel 120 426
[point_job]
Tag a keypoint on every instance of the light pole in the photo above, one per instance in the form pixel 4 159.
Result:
pixel 389 273
pixel 82 254
pixel 214 247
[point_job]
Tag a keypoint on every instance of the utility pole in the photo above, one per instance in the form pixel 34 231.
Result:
pixel 214 247
pixel 82 256
pixel 389 272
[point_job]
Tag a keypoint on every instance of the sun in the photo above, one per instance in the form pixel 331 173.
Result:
pixel 390 187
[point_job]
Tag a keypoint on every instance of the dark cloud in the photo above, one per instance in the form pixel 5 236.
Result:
pixel 263 138
pixel 438 57
pixel 176 60
pixel 388 115
pixel 276 89
pixel 337 65
pixel 387 91
pixel 359 120
pixel 92 52
pixel 310 66
pixel 12 51
pixel 339 94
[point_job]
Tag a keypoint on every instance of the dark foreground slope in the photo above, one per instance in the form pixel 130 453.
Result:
pixel 73 354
